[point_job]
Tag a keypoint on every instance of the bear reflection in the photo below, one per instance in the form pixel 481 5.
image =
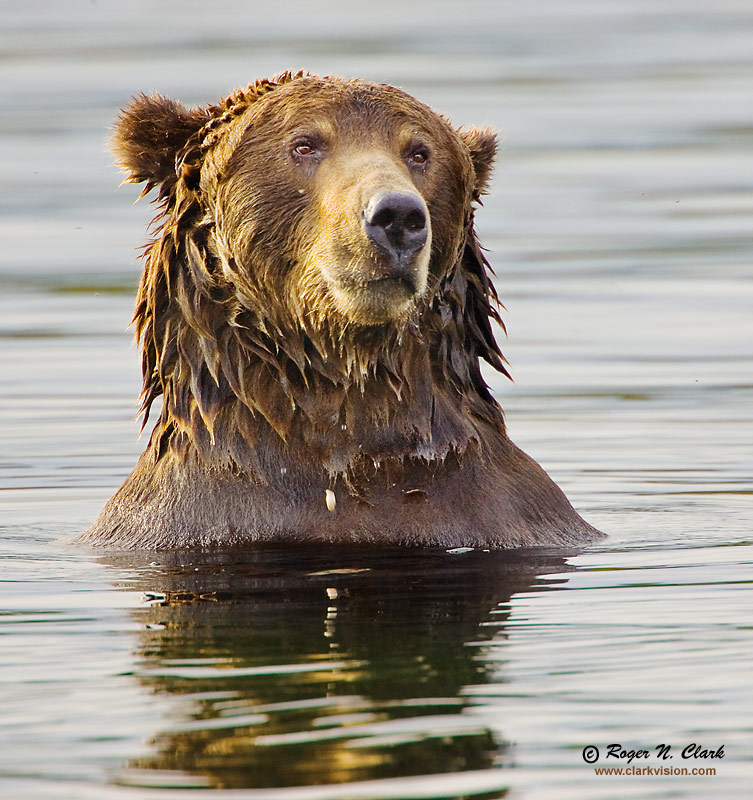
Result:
pixel 324 666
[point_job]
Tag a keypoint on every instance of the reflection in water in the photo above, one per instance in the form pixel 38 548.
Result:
pixel 323 666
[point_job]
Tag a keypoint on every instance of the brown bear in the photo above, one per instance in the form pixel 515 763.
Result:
pixel 312 312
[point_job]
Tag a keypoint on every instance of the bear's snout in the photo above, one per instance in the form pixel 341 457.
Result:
pixel 396 222
pixel 373 236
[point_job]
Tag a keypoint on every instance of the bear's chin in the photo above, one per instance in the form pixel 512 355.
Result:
pixel 377 290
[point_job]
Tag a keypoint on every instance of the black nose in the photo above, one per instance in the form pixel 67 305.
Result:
pixel 396 223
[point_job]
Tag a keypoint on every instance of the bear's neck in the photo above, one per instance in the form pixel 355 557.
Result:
pixel 238 402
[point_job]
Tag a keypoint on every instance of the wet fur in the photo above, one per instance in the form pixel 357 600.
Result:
pixel 271 394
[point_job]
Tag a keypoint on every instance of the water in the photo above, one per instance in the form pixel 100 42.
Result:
pixel 619 228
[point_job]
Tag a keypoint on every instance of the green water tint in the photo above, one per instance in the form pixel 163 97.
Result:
pixel 311 667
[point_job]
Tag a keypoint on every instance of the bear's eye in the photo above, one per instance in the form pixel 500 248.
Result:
pixel 419 156
pixel 304 148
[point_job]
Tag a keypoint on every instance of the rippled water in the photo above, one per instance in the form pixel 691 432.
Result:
pixel 620 231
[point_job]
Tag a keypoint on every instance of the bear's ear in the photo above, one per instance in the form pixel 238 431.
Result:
pixel 149 134
pixel 482 143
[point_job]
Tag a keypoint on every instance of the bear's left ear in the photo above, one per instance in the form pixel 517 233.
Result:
pixel 482 143
pixel 149 134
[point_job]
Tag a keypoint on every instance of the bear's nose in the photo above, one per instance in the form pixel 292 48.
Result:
pixel 396 222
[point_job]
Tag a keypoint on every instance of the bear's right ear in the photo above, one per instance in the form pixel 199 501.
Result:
pixel 149 134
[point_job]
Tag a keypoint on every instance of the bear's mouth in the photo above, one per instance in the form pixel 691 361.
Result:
pixel 404 280
pixel 372 299
pixel 393 281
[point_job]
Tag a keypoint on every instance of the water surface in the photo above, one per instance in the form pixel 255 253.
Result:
pixel 619 229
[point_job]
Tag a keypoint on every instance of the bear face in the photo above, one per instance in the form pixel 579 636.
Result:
pixel 362 178
pixel 313 310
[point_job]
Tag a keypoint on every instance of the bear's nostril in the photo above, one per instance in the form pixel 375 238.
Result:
pixel 415 221
pixel 396 222
pixel 383 218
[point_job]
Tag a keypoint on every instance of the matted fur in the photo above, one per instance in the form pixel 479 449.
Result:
pixel 267 401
